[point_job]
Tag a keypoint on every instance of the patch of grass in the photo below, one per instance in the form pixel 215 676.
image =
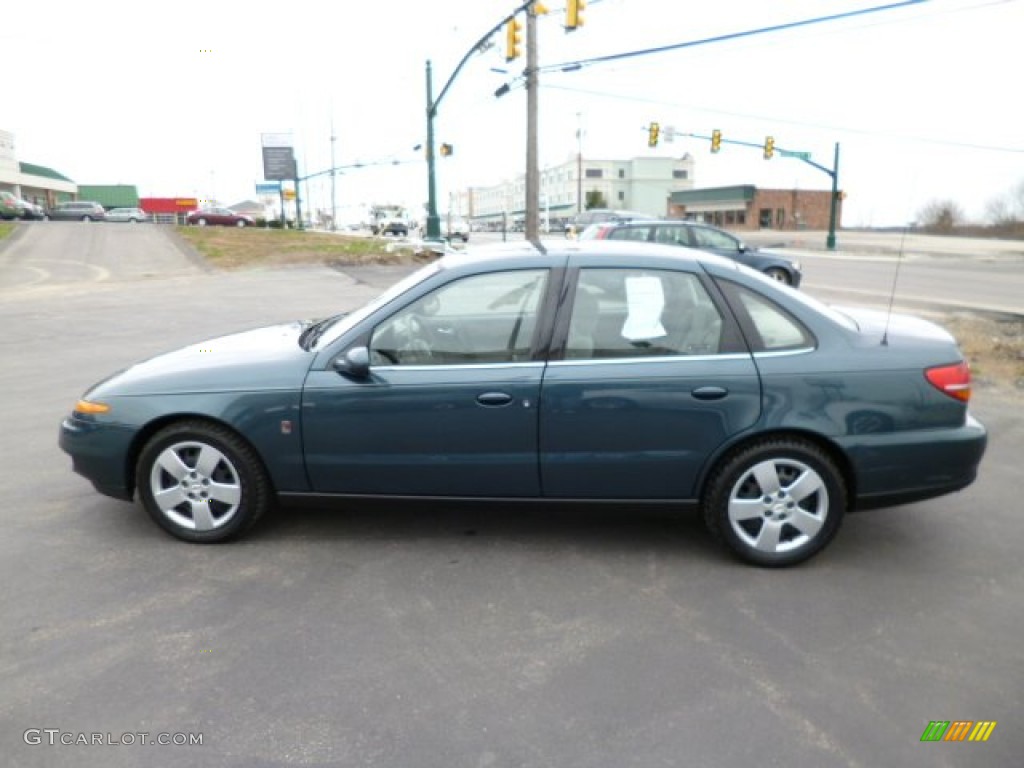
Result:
pixel 232 248
pixel 6 227
pixel 994 346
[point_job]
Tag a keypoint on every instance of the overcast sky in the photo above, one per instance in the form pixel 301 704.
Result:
pixel 173 97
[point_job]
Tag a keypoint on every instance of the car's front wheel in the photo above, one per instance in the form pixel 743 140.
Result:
pixel 779 274
pixel 776 502
pixel 201 222
pixel 239 223
pixel 201 482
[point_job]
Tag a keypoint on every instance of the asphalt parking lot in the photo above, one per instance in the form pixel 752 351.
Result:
pixel 469 636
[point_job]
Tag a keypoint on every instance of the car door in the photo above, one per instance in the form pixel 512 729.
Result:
pixel 450 405
pixel 654 377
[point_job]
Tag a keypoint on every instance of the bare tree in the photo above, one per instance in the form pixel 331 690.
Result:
pixel 1007 210
pixel 941 216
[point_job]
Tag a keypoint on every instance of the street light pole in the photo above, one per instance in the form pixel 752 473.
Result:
pixel 830 240
pixel 433 220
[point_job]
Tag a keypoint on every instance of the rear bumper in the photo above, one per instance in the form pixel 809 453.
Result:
pixel 901 467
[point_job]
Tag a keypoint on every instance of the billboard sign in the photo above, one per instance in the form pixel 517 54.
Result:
pixel 278 156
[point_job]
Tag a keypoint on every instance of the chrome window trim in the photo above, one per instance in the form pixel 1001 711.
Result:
pixel 653 359
pixel 785 352
pixel 458 367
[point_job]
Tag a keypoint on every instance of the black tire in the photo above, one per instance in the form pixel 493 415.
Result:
pixel 86 218
pixel 796 525
pixel 240 224
pixel 202 504
pixel 779 274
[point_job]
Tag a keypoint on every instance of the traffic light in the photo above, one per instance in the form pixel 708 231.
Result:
pixel 716 140
pixel 769 147
pixel 652 134
pixel 574 14
pixel 513 37
pixel 446 150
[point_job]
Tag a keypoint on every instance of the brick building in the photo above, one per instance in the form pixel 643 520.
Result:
pixel 747 207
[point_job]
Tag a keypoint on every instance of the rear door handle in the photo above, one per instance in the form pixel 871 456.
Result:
pixel 710 393
pixel 494 399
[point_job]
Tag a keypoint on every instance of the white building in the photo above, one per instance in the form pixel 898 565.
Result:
pixel 33 182
pixel 641 184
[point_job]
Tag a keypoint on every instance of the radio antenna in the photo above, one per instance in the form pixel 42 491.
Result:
pixel 895 278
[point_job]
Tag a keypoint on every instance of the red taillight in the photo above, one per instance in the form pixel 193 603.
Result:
pixel 953 380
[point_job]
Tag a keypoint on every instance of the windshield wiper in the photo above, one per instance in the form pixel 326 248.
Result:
pixel 315 330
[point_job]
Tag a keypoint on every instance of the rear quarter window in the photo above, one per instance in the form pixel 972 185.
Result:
pixel 772 328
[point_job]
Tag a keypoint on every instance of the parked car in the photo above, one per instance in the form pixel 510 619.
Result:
pixel 129 215
pixel 457 228
pixel 701 236
pixel 577 372
pixel 224 217
pixel 10 206
pixel 77 210
pixel 31 211
pixel 596 215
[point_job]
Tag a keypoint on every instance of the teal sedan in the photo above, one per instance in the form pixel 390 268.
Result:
pixel 562 372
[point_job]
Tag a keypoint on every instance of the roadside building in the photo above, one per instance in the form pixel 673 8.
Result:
pixel 35 183
pixel 746 207
pixel 110 195
pixel 641 184
pixel 168 210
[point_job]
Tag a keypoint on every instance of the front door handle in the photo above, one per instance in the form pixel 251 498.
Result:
pixel 494 399
pixel 710 393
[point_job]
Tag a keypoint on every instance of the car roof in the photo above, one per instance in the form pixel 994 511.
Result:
pixel 555 252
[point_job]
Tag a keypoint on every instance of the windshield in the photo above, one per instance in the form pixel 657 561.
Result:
pixel 344 322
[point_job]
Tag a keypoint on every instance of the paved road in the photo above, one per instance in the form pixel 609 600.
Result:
pixel 477 637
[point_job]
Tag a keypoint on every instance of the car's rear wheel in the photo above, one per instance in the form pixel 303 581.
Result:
pixel 201 222
pixel 239 223
pixel 776 502
pixel 86 218
pixel 201 482
pixel 779 274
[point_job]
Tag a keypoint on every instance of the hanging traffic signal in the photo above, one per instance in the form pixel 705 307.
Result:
pixel 574 14
pixel 446 150
pixel 769 147
pixel 716 140
pixel 652 134
pixel 513 37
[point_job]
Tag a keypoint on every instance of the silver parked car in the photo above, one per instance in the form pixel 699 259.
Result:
pixel 129 215
pixel 77 210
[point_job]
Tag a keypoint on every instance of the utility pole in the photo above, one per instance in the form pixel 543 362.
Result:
pixel 532 224
pixel 579 164
pixel 334 203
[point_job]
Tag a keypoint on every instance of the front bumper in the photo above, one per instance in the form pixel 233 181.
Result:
pixel 99 453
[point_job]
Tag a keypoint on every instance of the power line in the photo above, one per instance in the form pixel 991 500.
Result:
pixel 575 65
pixel 788 121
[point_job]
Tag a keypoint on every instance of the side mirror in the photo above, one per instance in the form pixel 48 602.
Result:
pixel 355 363
pixel 741 247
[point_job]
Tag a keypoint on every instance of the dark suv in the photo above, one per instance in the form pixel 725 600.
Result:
pixel 78 210
pixel 702 237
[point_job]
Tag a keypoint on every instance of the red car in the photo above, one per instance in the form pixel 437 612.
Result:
pixel 224 217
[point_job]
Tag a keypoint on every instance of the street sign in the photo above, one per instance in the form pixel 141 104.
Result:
pixel 797 155
pixel 271 188
pixel 279 163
